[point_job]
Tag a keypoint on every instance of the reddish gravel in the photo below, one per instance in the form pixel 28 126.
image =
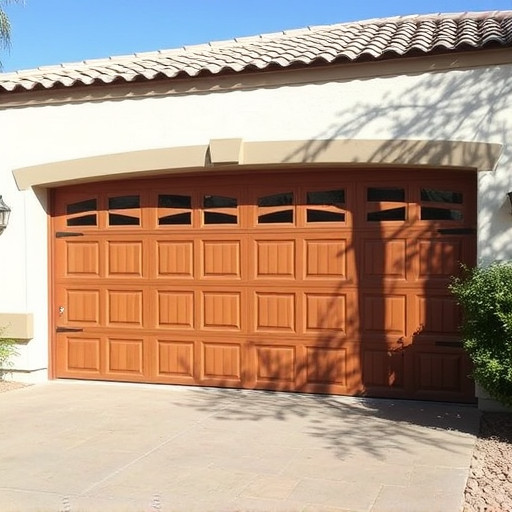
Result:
pixel 7 385
pixel 489 487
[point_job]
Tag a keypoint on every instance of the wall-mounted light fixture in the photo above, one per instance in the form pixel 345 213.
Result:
pixel 5 211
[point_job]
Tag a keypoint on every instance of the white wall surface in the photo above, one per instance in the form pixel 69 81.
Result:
pixel 468 105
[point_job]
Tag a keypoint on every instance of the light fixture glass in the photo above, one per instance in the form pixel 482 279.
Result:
pixel 5 211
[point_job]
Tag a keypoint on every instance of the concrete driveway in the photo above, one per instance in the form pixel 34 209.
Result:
pixel 84 446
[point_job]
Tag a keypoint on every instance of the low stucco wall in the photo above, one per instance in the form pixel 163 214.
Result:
pixel 486 403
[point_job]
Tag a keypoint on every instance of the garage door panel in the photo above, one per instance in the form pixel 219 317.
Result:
pixel 439 372
pixel 384 315
pixel 325 366
pixel 79 306
pixel 221 259
pixel 326 259
pixel 126 357
pixel 274 312
pixel 276 366
pixel 275 259
pixel 439 259
pixel 383 367
pixel 325 312
pixel 125 308
pixel 79 356
pixel 332 281
pixel 221 362
pixel 175 309
pixel 82 259
pixel 175 360
pixel 125 259
pixel 221 310
pixel 385 259
pixel 437 315
pixel 83 307
pixel 174 259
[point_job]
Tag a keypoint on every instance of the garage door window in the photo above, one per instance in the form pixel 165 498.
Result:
pixel 220 210
pixel 441 204
pixel 274 209
pixel 383 204
pixel 74 209
pixel 174 210
pixel 328 206
pixel 120 203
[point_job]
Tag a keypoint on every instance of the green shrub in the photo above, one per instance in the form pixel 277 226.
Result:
pixel 485 294
pixel 7 352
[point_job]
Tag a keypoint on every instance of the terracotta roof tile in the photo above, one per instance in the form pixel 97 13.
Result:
pixel 371 39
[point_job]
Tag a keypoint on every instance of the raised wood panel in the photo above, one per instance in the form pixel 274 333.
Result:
pixel 326 365
pixel 385 259
pixel 275 364
pixel 221 361
pixel 83 355
pixel 125 356
pixel 175 309
pixel 275 312
pixel 438 315
pixel 439 258
pixel 175 358
pixel 82 259
pixel 125 259
pixel 385 315
pixel 439 372
pixel 275 258
pixel 383 368
pixel 125 308
pixel 221 259
pixel 326 259
pixel 326 312
pixel 175 259
pixel 221 310
pixel 83 306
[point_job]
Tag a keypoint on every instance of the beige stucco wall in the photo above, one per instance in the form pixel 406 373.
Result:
pixel 453 104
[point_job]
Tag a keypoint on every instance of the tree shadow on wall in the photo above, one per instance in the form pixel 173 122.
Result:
pixel 451 105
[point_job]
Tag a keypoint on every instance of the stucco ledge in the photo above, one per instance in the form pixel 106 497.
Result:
pixel 466 155
pixel 17 326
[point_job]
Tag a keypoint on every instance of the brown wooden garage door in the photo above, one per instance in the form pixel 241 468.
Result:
pixel 330 281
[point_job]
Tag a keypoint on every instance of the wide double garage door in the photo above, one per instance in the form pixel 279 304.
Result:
pixel 330 281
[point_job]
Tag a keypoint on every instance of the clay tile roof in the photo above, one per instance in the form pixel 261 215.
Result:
pixel 374 39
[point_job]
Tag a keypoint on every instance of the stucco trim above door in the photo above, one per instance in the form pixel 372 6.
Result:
pixel 238 154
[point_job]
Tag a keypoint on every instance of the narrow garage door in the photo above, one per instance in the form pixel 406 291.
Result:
pixel 326 281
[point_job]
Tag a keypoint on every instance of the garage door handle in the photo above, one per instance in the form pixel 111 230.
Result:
pixel 454 344
pixel 68 329
pixel 456 231
pixel 65 234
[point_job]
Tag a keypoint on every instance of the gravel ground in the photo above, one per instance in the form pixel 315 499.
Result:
pixel 7 385
pixel 489 487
